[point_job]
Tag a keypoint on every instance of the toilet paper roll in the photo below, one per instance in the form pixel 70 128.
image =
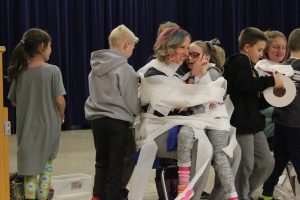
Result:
pixel 288 96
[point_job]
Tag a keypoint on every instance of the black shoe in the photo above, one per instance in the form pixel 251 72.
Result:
pixel 123 194
pixel 50 194
pixel 204 195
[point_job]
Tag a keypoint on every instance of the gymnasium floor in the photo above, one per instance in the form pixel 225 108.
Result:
pixel 76 155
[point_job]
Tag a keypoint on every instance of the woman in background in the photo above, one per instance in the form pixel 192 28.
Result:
pixel 276 52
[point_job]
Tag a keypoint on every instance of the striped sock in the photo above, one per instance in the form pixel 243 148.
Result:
pixel 184 178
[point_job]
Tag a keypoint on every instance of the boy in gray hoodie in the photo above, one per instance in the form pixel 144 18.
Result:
pixel 111 108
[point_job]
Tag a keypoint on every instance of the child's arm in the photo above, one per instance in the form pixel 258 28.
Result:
pixel 61 105
pixel 128 85
pixel 199 79
pixel 191 80
pixel 246 81
pixel 12 93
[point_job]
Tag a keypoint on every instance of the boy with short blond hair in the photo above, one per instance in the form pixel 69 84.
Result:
pixel 245 89
pixel 111 107
pixel 120 35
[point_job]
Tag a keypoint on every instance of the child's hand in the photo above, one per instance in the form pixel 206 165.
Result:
pixel 183 109
pixel 180 108
pixel 62 119
pixel 278 81
pixel 200 66
pixel 212 106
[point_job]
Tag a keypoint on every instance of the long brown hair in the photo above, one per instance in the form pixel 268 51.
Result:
pixel 27 48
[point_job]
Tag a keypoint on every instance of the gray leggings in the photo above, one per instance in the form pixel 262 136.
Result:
pixel 221 164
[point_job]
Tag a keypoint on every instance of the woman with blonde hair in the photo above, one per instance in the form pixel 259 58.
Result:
pixel 164 98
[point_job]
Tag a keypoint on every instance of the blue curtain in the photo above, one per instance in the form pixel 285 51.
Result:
pixel 79 27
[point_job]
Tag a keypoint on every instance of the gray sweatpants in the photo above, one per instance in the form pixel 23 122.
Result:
pixel 221 164
pixel 185 141
pixel 218 193
pixel 256 165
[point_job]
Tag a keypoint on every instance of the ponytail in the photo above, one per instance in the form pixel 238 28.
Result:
pixel 26 49
pixel 217 53
pixel 18 61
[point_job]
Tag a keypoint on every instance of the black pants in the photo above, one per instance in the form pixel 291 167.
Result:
pixel 110 139
pixel 287 140
pixel 129 164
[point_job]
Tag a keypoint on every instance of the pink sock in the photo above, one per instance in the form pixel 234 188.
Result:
pixel 183 169
pixel 184 178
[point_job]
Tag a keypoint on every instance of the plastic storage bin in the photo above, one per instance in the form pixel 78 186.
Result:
pixel 71 185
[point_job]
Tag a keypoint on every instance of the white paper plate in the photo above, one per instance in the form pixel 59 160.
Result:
pixel 286 99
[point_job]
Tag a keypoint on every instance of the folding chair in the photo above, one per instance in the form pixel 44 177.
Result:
pixel 165 181
pixel 164 184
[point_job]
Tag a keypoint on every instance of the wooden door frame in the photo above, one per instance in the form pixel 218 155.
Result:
pixel 4 145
